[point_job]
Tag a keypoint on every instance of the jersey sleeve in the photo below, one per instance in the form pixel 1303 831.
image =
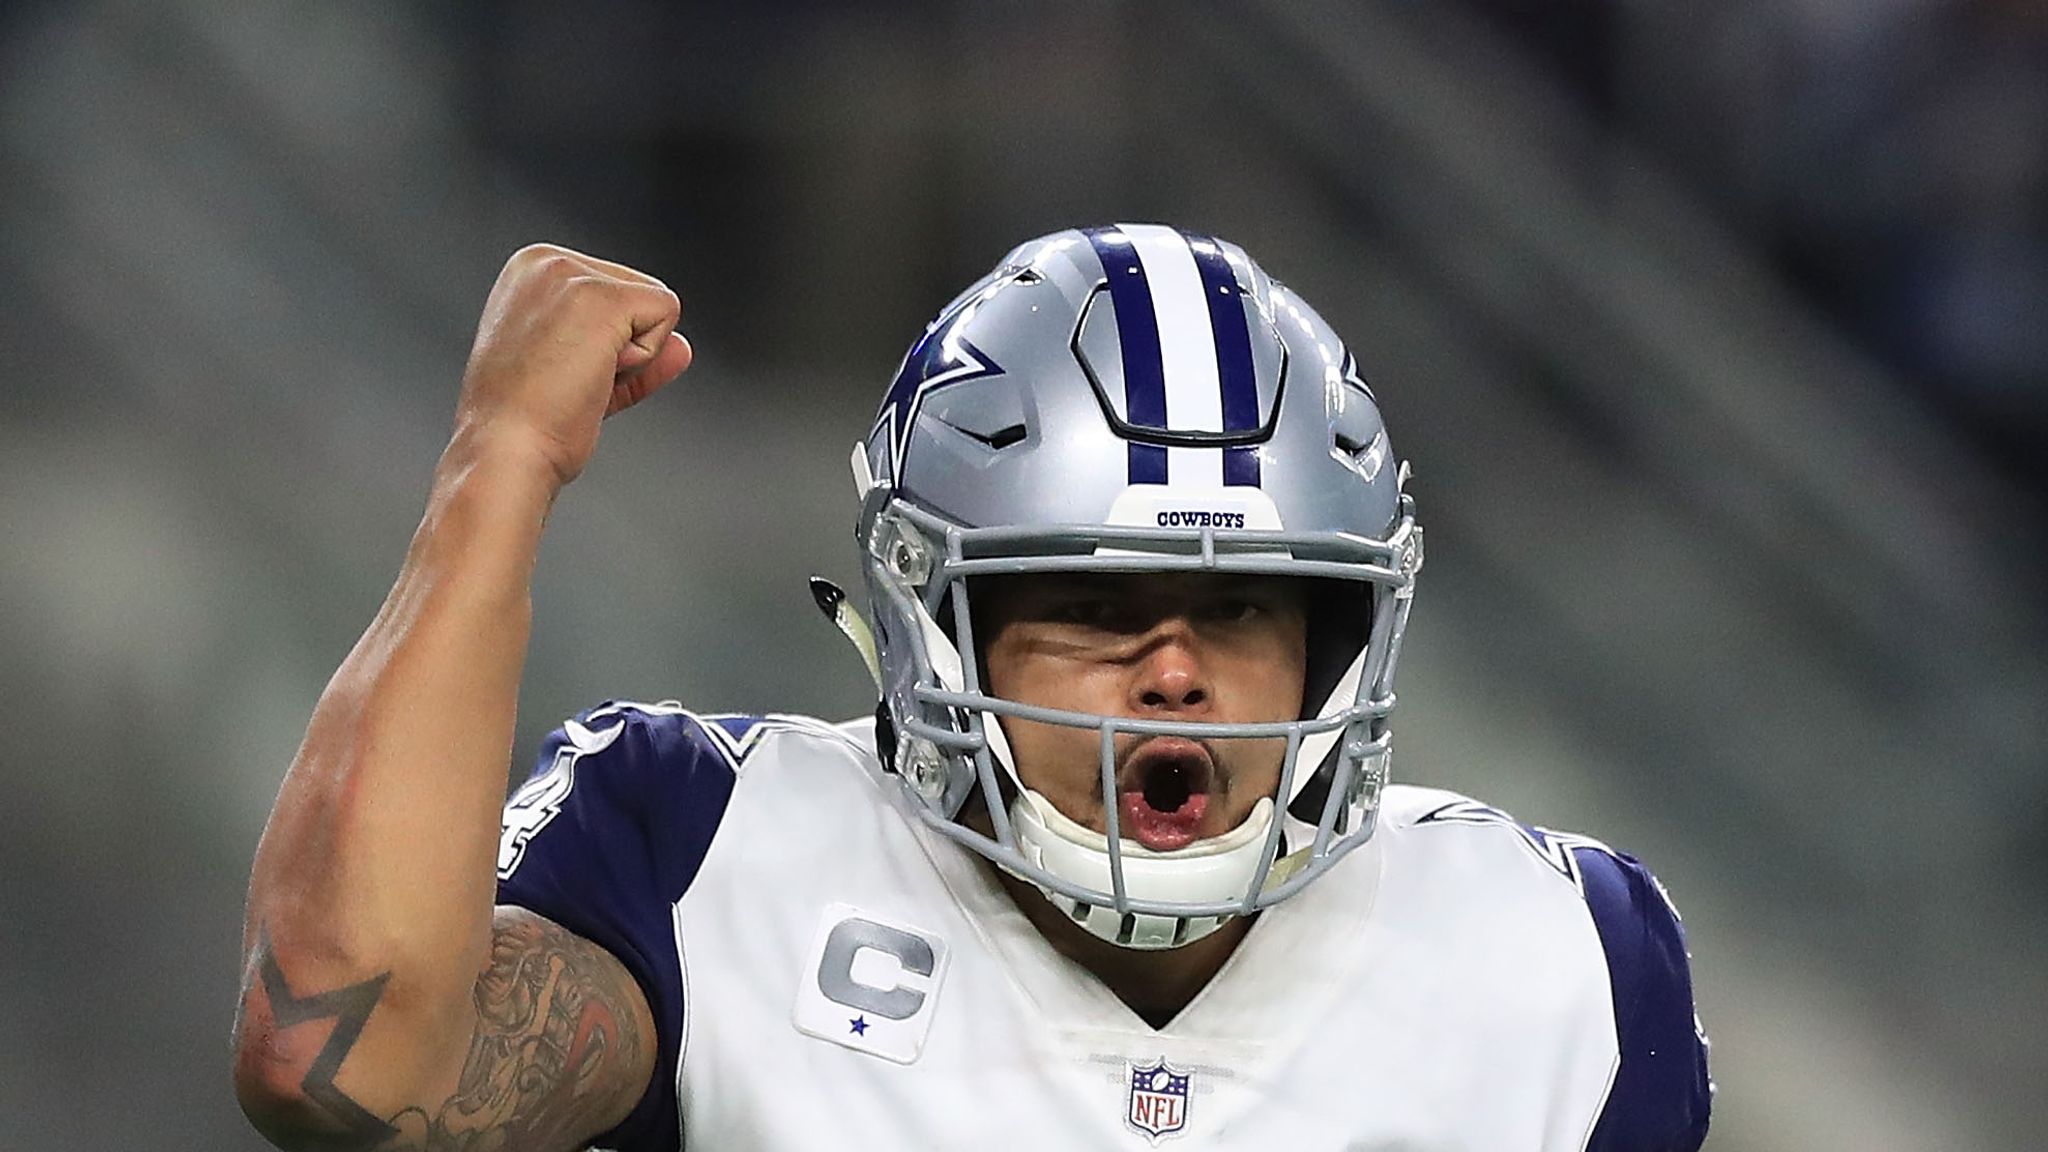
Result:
pixel 1661 1093
pixel 603 839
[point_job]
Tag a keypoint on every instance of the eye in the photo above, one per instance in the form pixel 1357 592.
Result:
pixel 1092 612
pixel 1098 613
pixel 1236 610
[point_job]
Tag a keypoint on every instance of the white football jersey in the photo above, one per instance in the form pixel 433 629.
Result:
pixel 827 972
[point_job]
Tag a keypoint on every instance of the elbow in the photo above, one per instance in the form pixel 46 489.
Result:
pixel 295 1036
pixel 285 1059
pixel 297 1110
pixel 267 1085
pixel 272 1097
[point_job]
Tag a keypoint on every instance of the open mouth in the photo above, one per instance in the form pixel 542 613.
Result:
pixel 1163 792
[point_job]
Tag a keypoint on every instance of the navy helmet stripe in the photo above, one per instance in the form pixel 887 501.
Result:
pixel 1147 463
pixel 1227 320
pixel 1137 332
pixel 1235 373
pixel 1241 467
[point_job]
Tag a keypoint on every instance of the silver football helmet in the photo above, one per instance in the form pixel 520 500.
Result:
pixel 1134 399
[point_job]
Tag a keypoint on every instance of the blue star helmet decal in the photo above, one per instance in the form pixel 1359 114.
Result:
pixel 942 356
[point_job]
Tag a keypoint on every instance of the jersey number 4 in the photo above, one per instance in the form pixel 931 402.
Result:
pixel 540 799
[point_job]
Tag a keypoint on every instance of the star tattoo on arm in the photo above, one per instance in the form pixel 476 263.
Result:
pixel 349 1008
pixel 562 1048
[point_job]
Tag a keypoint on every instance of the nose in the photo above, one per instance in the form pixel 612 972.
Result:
pixel 1171 673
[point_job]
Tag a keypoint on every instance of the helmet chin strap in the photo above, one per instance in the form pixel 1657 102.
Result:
pixel 1217 869
pixel 1210 870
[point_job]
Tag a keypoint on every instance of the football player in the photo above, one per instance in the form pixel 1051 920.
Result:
pixel 1115 862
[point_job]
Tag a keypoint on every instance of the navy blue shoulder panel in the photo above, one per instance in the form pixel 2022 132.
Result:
pixel 1661 1094
pixel 603 839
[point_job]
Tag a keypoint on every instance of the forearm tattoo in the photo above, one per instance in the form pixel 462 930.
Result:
pixel 555 1036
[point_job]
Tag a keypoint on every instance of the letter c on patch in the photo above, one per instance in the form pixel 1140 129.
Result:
pixel 835 967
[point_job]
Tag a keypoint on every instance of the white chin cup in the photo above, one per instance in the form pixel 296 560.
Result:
pixel 1207 871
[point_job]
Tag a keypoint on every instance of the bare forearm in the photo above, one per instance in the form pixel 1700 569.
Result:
pixel 378 853
pixel 374 988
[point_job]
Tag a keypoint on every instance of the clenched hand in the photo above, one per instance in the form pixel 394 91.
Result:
pixel 565 341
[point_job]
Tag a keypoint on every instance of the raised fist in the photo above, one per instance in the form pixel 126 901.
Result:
pixel 565 341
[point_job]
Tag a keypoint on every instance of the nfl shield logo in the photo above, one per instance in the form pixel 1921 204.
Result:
pixel 1158 1104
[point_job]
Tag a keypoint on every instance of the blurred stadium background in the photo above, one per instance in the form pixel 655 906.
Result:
pixel 1718 335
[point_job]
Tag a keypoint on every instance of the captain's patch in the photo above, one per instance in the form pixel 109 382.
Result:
pixel 871 984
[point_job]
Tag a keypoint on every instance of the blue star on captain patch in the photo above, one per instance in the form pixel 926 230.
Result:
pixel 858 1026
